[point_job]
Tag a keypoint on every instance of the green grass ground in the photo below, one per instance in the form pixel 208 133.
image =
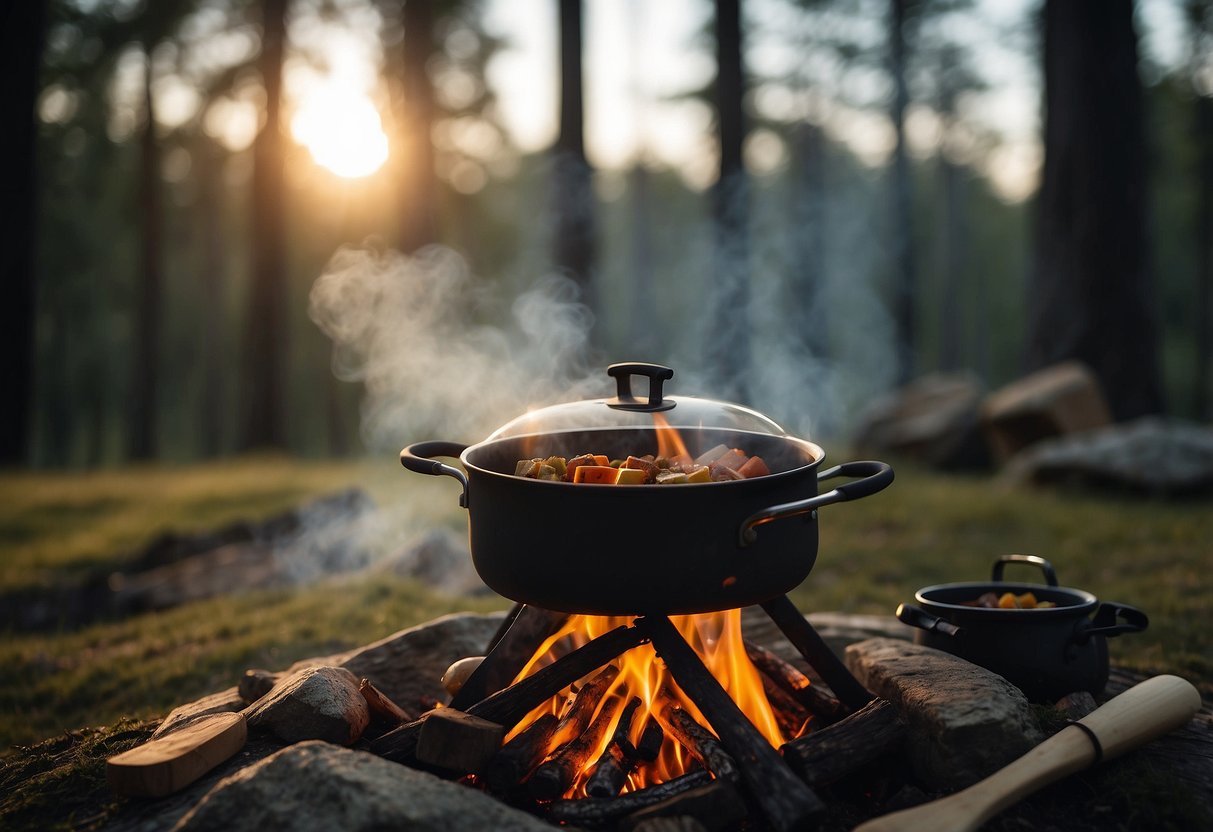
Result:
pixel 927 528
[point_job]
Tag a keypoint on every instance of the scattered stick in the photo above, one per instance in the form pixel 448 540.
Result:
pixel 555 776
pixel 825 709
pixel 380 705
pixel 528 628
pixel 829 755
pixel 599 811
pixel 786 801
pixel 817 653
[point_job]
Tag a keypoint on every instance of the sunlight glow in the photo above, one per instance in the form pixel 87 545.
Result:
pixel 342 130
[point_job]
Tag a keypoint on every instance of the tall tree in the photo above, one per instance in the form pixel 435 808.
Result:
pixel 418 188
pixel 1089 294
pixel 729 341
pixel 573 196
pixel 905 278
pixel 1200 27
pixel 266 337
pixel 146 360
pixel 21 39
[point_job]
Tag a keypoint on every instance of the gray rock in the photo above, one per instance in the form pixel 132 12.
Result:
pixel 316 786
pixel 837 629
pixel 407 666
pixel 315 703
pixel 225 701
pixel 935 419
pixel 1058 400
pixel 1148 455
pixel 964 721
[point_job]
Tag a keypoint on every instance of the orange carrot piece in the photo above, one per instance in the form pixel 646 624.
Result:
pixel 595 474
pixel 754 467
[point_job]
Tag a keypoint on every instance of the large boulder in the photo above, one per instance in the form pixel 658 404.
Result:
pixel 1059 400
pixel 321 787
pixel 934 419
pixel 1149 455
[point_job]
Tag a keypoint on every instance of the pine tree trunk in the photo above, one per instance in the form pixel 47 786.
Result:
pixel 905 280
pixel 573 198
pixel 1089 296
pixel 145 383
pixel 21 38
pixel 729 344
pixel 266 340
pixel 1202 382
pixel 418 188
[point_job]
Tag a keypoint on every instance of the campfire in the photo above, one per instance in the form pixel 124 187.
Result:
pixel 601 717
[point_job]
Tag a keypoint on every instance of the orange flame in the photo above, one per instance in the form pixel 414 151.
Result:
pixel 716 637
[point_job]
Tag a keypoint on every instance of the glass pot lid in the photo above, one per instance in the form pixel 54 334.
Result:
pixel 626 410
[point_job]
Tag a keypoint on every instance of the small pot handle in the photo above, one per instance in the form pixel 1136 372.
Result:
pixel 923 620
pixel 418 458
pixel 1045 566
pixel 1104 622
pixel 875 476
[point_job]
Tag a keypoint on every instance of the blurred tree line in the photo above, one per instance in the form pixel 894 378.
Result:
pixel 160 258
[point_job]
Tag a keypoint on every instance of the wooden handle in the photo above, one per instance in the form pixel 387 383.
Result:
pixel 172 762
pixel 1138 715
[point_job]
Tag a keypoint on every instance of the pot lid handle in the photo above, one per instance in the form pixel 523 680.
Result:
pixel 624 400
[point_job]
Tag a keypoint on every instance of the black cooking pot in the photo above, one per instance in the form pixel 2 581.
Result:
pixel 1047 653
pixel 635 549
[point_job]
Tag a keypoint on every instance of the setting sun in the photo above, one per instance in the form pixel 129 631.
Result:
pixel 342 130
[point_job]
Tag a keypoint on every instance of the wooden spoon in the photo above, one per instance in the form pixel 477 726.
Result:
pixel 1143 712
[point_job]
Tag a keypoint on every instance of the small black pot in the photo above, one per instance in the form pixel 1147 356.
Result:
pixel 1047 653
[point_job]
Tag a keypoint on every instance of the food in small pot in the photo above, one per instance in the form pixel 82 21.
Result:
pixel 720 464
pixel 1009 601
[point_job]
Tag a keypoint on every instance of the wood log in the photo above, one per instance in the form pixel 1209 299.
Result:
pixel 380 705
pixel 824 707
pixel 784 800
pixel 508 706
pixel 830 754
pixel 792 718
pixel 650 742
pixel 170 763
pixel 555 776
pixel 681 823
pixel 696 739
pixel 817 653
pixel 599 811
pixel 528 629
pixel 717 806
pixel 458 742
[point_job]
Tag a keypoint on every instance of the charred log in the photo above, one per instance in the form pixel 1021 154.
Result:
pixel 509 651
pixel 698 740
pixel 817 653
pixel 599 811
pixel 718 805
pixel 829 755
pixel 825 709
pixel 555 776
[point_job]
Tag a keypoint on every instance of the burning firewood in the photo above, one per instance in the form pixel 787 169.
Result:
pixel 519 757
pixel 717 805
pixel 555 776
pixel 524 629
pixel 620 757
pixel 817 653
pixel 823 707
pixel 696 739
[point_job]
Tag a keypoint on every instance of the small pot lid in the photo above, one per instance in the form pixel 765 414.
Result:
pixel 627 410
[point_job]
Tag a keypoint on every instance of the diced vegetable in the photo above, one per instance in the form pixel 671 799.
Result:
pixel 672 477
pixel 711 455
pixel 576 462
pixel 595 474
pixel 754 467
pixel 700 474
pixel 631 476
pixel 650 469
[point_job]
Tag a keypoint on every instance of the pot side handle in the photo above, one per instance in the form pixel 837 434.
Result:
pixel 1104 621
pixel 418 458
pixel 874 476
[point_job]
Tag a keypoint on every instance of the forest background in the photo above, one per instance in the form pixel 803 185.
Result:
pixel 796 204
